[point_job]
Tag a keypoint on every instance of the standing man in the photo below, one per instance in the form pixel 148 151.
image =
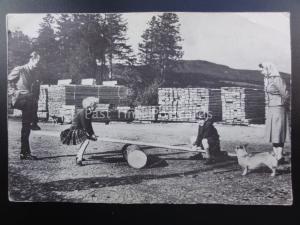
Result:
pixel 24 97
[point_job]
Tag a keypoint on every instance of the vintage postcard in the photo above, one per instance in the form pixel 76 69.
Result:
pixel 150 107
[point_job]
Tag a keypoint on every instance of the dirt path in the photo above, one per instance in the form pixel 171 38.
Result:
pixel 170 176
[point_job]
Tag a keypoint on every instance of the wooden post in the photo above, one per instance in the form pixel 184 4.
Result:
pixel 134 156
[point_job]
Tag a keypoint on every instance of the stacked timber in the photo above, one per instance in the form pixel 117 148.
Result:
pixel 43 115
pixel 243 105
pixel 107 95
pixel 123 109
pixel 88 81
pixel 43 103
pixel 43 99
pixel 67 112
pixel 56 99
pixel 102 107
pixel 145 112
pixel 59 95
pixel 182 104
pixel 64 82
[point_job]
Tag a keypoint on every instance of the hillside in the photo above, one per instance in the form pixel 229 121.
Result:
pixel 198 73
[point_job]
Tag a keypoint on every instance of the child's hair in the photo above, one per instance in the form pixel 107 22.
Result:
pixel 201 115
pixel 89 102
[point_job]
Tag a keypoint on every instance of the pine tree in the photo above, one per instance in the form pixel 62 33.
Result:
pixel 148 49
pixel 47 47
pixel 160 47
pixel 88 42
pixel 19 49
pixel 114 32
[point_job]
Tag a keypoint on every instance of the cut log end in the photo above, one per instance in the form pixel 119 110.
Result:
pixel 135 157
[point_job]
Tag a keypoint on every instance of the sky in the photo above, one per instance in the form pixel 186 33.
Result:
pixel 238 40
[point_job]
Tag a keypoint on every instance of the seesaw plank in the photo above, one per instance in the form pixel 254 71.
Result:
pixel 158 145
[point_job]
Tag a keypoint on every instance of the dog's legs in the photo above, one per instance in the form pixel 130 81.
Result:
pixel 273 171
pixel 278 152
pixel 245 171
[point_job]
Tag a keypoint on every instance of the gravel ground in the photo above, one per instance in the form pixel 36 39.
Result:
pixel 171 176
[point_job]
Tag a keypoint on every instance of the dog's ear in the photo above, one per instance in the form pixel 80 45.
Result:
pixel 245 145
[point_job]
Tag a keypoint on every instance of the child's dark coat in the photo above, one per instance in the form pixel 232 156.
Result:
pixel 209 132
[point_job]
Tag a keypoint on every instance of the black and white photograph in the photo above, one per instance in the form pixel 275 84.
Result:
pixel 149 107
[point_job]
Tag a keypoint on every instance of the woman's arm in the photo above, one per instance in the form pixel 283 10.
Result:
pixel 282 88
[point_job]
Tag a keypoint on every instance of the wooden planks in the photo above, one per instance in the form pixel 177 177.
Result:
pixel 59 95
pixel 243 105
pixel 145 112
pixel 181 104
pixel 68 112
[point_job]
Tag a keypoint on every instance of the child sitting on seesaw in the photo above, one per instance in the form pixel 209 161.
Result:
pixel 207 138
pixel 81 130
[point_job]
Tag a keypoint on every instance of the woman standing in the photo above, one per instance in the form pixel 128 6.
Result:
pixel 277 122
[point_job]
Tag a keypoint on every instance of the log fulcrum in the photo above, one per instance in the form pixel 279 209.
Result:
pixel 134 156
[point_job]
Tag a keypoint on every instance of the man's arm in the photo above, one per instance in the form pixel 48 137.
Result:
pixel 14 74
pixel 198 141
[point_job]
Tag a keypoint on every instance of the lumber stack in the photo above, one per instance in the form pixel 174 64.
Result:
pixel 181 104
pixel 88 81
pixel 123 109
pixel 43 103
pixel 145 112
pixel 107 95
pixel 243 105
pixel 64 81
pixel 102 107
pixel 59 95
pixel 68 112
pixel 43 115
pixel 56 99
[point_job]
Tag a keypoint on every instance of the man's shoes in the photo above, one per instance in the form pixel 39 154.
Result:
pixel 35 127
pixel 28 157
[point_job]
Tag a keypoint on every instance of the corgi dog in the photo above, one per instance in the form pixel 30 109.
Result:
pixel 250 161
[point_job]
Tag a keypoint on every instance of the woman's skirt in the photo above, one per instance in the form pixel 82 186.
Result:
pixel 277 125
pixel 73 136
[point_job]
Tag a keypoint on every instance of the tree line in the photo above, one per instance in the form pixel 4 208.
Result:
pixel 80 46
